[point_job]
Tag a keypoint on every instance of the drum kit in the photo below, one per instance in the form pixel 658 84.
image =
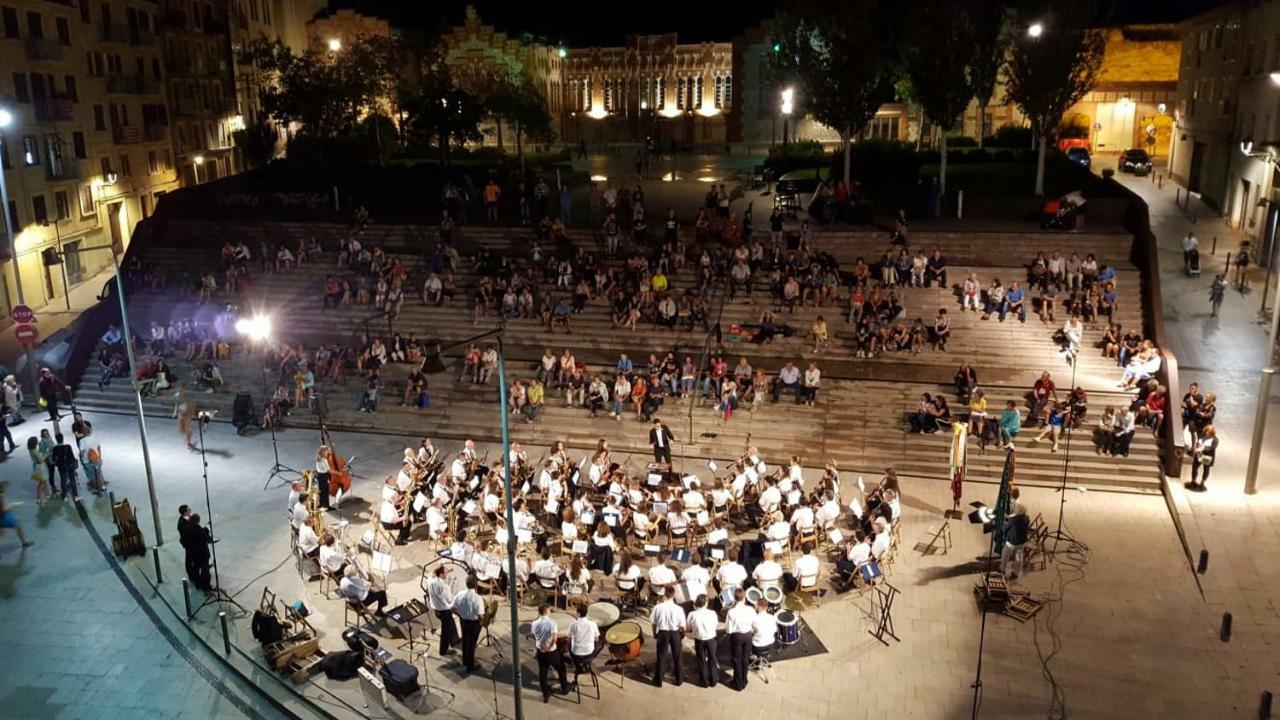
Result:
pixel 788 628
pixel 604 614
pixel 788 621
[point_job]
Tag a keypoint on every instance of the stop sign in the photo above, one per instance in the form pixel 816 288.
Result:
pixel 26 334
pixel 22 315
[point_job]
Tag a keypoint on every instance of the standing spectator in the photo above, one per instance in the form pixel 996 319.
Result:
pixel 1202 457
pixel 39 471
pixel 1189 244
pixel 91 459
pixel 1016 529
pixel 198 539
pixel 492 193
pixel 51 389
pixel 1217 292
pixel 64 459
pixel 13 397
pixel 1242 267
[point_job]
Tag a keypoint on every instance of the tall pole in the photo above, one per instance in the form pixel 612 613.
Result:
pixel 66 287
pixel 512 599
pixel 10 233
pixel 1264 396
pixel 137 401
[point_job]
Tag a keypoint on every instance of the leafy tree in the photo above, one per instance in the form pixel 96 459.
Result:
pixel 257 143
pixel 840 54
pixel 989 43
pixel 1048 74
pixel 326 93
pixel 935 47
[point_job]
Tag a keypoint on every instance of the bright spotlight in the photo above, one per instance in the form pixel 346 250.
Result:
pixel 335 44
pixel 1035 30
pixel 6 117
pixel 257 327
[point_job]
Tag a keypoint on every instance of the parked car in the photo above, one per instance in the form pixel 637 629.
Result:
pixel 1136 161
pixel 1065 144
pixel 1079 154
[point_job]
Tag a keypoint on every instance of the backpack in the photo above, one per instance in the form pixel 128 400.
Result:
pixel 266 628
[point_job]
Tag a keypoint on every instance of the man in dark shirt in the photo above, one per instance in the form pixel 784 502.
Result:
pixel 1016 530
pixel 936 269
pixel 64 459
pixel 185 538
pixel 197 545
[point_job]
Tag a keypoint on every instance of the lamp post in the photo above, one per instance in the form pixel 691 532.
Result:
pixel 788 96
pixel 6 119
pixel 198 160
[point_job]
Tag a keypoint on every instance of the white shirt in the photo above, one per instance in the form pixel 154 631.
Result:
pixel 702 624
pixel 768 572
pixel 544 633
pixel 860 553
pixel 440 594
pixel 764 630
pixel 546 569
pixel 436 521
pixel 731 573
pixel 583 635
pixel 812 377
pixel 331 559
pixel 307 539
pixel 694 581
pixel 356 588
pixel 667 615
pixel 828 513
pixel 403 480
pixel 770 498
pixel 779 530
pixel 389 513
pixel 469 605
pixel 807 566
pixel 1189 243
pixel 660 575
pixel 740 619
pixel 881 544
pixel 299 514
pixel 802 517
pixel 627 580
pixel 458 469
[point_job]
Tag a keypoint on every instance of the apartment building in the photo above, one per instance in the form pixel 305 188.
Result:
pixel 86 152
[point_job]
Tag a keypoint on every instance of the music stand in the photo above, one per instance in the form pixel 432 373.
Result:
pixel 217 594
pixel 884 626
pixel 404 617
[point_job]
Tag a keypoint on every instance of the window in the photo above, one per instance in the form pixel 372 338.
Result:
pixel 719 91
pixel 39 209
pixel 64 30
pixel 84 11
pixel 35 25
pixel 153 163
pixel 662 93
pixel 680 90
pixel 87 206
pixel 77 144
pixel 4 154
pixel 126 169
pixel 168 160
pixel 155 69
pixel 30 151
pixel 99 120
pixel 608 93
pixel 13 214
pixel 697 93
pixel 106 167
pixel 20 88
pixel 70 82
pixel 10 18
pixel 728 90
pixel 883 128
pixel 60 205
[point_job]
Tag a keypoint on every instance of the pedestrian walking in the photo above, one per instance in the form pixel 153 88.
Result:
pixel 8 520
pixel 39 470
pixel 1217 293
pixel 51 389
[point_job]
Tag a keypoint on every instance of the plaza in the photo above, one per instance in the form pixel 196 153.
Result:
pixel 766 383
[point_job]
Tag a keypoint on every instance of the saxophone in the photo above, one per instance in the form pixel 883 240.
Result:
pixel 313 500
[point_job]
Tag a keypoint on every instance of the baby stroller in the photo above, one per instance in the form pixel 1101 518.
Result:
pixel 1193 263
pixel 1057 215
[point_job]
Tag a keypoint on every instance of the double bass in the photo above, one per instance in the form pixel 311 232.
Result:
pixel 339 467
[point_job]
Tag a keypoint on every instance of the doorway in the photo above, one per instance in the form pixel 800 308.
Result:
pixel 1198 152
pixel 1116 126
pixel 113 222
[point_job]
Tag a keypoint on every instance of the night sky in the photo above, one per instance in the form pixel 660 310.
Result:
pixel 586 23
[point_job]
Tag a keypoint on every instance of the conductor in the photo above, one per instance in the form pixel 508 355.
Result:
pixel 660 438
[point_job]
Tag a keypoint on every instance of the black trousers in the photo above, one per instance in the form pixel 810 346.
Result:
pixel 708 669
pixel 470 638
pixel 402 528
pixel 322 483
pixel 662 454
pixel 668 645
pixel 448 630
pixel 740 647
pixel 200 563
pixel 193 569
pixel 548 659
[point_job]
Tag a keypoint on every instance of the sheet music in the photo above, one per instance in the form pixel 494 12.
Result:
pixel 652 549
pixel 588 518
pixel 654 479
pixel 717 553
pixel 856 508
pixel 420 502
pixel 580 547
pixel 610 519
pixel 836 537
pixel 552 505
pixel 469 507
pixel 381 562
pixel 775 546
pixel 660 507
pixel 716 537
pixel 703 518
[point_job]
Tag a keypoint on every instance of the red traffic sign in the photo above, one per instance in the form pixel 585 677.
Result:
pixel 22 315
pixel 26 334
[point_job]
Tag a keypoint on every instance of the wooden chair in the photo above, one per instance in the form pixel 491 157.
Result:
pixel 360 609
pixel 808 584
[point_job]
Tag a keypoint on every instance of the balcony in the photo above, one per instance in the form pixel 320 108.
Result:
pixel 114 32
pixel 127 135
pixel 45 49
pixel 54 110
pixel 155 133
pixel 142 36
pixel 64 168
pixel 131 85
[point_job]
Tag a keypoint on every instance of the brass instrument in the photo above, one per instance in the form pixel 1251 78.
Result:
pixel 313 500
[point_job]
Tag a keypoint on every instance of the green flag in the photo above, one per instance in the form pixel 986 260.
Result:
pixel 1002 502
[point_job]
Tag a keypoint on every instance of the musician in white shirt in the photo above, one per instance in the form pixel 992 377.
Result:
pixel 828 513
pixel 720 495
pixel 392 519
pixel 546 570
pixel 768 573
pixel 740 626
pixel 883 541
pixel 584 634
pixel 802 518
pixel 693 582
pixel 754 461
pixel 426 451
pixel 770 499
pixel 764 629
pixel 295 496
pixel 440 598
pixel 469 451
pixel 739 485
pixel 308 541
pixel 333 560
pixel 458 469
pixel 661 577
pixel 627 574
pixel 778 530
pixel 437 521
pixel 469 607
pixel 355 588
pixel 517 455
pixel 693 498
pixel 548 654
pixel 404 478
pixel 702 624
pixel 731 573
pixel 668 623
pixel 300 514
pixel 806 568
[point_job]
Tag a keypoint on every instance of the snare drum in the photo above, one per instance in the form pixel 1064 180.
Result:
pixel 625 639
pixel 753 596
pixel 788 628
pixel 605 614
pixel 774 596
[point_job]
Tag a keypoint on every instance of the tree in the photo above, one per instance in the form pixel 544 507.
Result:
pixel 840 54
pixel 1050 73
pixel 989 43
pixel 326 93
pixel 935 47
pixel 257 143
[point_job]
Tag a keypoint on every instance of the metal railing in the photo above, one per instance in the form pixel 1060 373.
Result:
pixel 54 110
pixel 44 49
pixel 131 85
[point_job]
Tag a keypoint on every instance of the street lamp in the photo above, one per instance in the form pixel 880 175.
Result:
pixel 335 44
pixel 788 96
pixel 199 160
pixel 6 119
pixel 1035 30
pixel 1275 77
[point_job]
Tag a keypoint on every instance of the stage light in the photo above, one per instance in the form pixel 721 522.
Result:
pixel 335 44
pixel 257 328
pixel 1035 31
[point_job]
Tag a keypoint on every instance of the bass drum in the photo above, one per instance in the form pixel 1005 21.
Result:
pixel 624 641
